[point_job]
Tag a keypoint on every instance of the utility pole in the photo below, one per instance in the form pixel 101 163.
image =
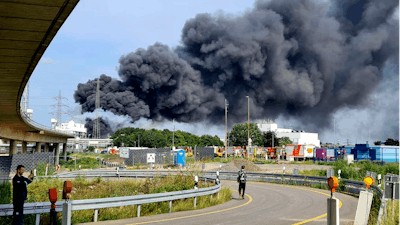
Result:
pixel 139 140
pixel 96 124
pixel 273 139
pixel 173 134
pixel 334 130
pixel 248 125
pixel 226 129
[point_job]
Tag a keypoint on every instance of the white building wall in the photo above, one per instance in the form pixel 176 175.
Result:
pixel 300 138
pixel 76 129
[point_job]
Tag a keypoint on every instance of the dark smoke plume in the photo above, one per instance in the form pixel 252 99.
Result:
pixel 105 128
pixel 303 59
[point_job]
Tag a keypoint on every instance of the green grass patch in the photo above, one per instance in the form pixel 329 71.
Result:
pixel 314 172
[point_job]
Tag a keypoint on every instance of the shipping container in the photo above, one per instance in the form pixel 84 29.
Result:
pixel 386 153
pixel 320 153
pixel 330 153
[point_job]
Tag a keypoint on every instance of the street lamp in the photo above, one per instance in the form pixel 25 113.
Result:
pixel 248 125
pixel 226 129
pixel 173 133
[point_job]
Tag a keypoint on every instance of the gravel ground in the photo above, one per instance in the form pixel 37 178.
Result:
pixel 269 168
pixel 278 168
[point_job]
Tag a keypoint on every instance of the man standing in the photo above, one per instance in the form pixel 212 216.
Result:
pixel 20 194
pixel 242 182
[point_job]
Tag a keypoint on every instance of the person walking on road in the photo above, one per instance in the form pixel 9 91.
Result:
pixel 20 194
pixel 242 181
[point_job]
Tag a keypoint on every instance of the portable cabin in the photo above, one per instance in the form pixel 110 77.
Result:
pixel 179 157
pixel 386 153
pixel 363 152
pixel 320 153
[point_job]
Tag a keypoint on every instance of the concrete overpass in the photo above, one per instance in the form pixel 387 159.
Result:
pixel 27 28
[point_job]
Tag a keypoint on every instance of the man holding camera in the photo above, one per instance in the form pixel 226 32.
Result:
pixel 20 194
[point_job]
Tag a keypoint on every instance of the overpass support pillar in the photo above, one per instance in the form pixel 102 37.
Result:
pixel 46 147
pixel 13 147
pixel 24 147
pixel 57 153
pixel 65 151
pixel 38 146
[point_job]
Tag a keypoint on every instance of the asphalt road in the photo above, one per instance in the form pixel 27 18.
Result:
pixel 265 203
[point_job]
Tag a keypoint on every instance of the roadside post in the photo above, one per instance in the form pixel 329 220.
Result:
pixel 53 199
pixel 67 205
pixel 47 167
pixel 283 170
pixel 379 180
pixel 217 182
pixel 364 203
pixel 339 172
pixel 196 181
pixel 333 203
pixel 118 173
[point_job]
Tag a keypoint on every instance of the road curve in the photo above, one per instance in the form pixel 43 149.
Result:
pixel 265 203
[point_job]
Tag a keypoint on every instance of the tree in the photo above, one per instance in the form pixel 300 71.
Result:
pixel 91 148
pixel 267 142
pixel 377 142
pixel 392 142
pixel 285 141
pixel 238 135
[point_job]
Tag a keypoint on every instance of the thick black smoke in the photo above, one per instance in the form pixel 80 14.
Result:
pixel 105 128
pixel 305 59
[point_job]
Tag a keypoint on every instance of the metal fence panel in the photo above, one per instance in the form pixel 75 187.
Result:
pixel 8 164
pixel 204 153
pixel 163 156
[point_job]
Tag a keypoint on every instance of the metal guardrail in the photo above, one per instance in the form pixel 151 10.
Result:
pixel 44 207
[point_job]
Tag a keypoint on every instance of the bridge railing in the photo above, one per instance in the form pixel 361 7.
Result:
pixel 28 120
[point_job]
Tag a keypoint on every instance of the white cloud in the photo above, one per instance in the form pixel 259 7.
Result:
pixel 46 61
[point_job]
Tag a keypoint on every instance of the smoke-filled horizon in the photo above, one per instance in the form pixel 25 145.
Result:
pixel 297 59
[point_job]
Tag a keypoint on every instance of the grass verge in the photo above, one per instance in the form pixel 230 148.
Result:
pixel 97 188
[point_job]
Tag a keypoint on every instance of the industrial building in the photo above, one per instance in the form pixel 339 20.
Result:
pixel 298 137
pixel 71 127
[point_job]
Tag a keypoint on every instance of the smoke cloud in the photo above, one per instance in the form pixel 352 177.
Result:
pixel 105 128
pixel 299 59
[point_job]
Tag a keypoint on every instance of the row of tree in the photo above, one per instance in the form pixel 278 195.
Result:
pixel 238 136
pixel 137 137
pixel 388 141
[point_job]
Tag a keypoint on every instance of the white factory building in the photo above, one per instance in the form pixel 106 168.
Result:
pixel 298 137
pixel 76 129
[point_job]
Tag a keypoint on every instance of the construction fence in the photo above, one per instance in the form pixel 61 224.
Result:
pixel 8 164
pixel 165 155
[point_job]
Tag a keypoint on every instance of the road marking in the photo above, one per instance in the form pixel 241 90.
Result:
pixel 201 214
pixel 308 189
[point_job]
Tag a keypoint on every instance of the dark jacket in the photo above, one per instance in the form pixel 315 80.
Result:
pixel 244 177
pixel 20 192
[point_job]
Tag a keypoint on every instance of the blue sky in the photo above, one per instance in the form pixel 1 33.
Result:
pixel 98 33
pixel 95 36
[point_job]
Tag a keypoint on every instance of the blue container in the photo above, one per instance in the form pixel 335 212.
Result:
pixel 179 157
pixel 389 153
pixel 365 152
